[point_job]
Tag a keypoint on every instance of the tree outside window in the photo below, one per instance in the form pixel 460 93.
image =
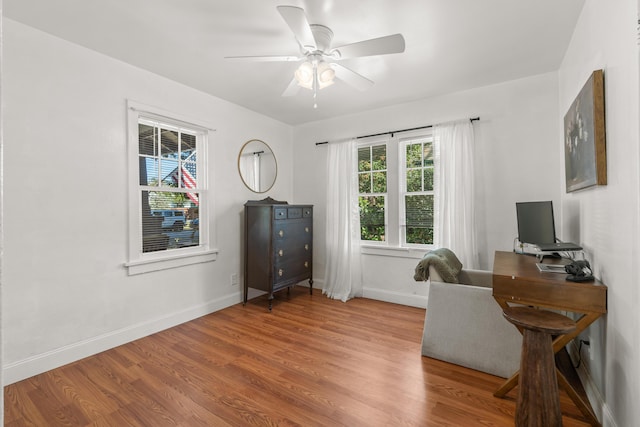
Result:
pixel 418 197
pixel 372 179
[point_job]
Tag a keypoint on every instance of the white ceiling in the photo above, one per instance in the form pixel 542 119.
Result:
pixel 451 45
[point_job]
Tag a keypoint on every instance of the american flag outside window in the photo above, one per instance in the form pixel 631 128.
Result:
pixel 186 178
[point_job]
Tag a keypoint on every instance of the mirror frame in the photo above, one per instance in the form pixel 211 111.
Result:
pixel 275 162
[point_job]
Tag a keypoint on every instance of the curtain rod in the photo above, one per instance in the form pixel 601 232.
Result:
pixel 394 131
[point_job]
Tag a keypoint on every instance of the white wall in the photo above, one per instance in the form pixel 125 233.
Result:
pixel 1 223
pixel 607 217
pixel 517 160
pixel 66 292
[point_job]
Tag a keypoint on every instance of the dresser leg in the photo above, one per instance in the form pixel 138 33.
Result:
pixel 310 286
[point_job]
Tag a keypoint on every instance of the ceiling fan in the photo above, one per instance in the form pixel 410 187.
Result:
pixel 318 67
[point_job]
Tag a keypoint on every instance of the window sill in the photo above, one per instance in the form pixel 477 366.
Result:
pixel 393 251
pixel 172 261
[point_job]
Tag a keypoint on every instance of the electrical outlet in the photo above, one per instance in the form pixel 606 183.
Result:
pixel 234 279
pixel 586 346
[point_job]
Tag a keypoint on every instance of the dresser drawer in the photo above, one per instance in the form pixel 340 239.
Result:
pixel 297 268
pixel 292 248
pixel 293 213
pixel 292 229
pixel 280 213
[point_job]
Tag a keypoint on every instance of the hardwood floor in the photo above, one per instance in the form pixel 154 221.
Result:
pixel 311 362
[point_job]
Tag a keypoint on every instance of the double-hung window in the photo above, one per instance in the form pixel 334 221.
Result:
pixel 372 183
pixel 396 197
pixel 169 192
pixel 416 189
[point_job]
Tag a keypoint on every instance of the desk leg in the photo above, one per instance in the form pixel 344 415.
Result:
pixel 584 407
pixel 581 324
pixel 507 386
pixel 558 344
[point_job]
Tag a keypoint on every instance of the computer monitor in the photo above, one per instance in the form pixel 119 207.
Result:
pixel 535 222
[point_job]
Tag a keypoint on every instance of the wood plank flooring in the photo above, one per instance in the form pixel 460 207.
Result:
pixel 311 362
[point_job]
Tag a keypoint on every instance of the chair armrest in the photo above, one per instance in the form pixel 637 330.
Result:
pixel 464 325
pixel 480 278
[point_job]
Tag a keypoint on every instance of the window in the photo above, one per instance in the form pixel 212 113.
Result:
pixel 417 191
pixel 372 182
pixel 396 196
pixel 169 203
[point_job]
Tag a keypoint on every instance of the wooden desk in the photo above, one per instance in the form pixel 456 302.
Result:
pixel 517 280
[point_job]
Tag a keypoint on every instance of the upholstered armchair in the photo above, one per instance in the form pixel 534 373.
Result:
pixel 464 324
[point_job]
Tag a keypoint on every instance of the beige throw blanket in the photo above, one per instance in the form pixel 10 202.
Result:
pixel 444 261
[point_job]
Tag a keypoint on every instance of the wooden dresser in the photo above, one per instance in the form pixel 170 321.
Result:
pixel 278 246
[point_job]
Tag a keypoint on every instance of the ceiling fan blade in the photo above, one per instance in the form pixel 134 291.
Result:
pixel 267 58
pixel 297 21
pixel 380 46
pixel 356 80
pixel 292 89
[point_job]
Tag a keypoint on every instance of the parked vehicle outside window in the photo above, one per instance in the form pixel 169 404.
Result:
pixel 172 219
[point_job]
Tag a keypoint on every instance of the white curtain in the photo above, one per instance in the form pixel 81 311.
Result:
pixel 454 182
pixel 343 265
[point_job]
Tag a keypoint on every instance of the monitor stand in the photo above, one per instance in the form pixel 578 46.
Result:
pixel 541 255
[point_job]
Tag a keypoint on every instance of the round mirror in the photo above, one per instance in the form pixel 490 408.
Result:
pixel 257 166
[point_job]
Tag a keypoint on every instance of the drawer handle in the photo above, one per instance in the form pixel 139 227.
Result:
pixel 306 247
pixel 280 272
pixel 280 252
pixel 306 229
pixel 281 233
pixel 306 264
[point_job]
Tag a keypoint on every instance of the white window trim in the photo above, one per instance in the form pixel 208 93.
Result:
pixel 139 262
pixel 402 190
pixel 373 244
pixel 392 251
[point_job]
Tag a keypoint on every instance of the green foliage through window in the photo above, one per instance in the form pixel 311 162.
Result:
pixel 411 199
pixel 418 200
pixel 372 184
pixel 372 225
pixel 419 219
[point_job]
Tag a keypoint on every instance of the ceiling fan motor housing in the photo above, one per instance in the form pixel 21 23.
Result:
pixel 323 36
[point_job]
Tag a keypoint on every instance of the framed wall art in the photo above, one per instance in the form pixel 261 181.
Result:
pixel 585 155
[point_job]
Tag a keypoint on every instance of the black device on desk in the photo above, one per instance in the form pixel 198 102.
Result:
pixel 536 226
pixel 579 271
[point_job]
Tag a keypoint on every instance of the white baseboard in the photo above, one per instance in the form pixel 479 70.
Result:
pixel 411 300
pixel 40 363
pixel 395 297
pixel 596 400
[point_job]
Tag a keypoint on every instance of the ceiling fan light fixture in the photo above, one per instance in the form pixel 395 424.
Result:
pixel 326 74
pixel 304 75
pixel 310 73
